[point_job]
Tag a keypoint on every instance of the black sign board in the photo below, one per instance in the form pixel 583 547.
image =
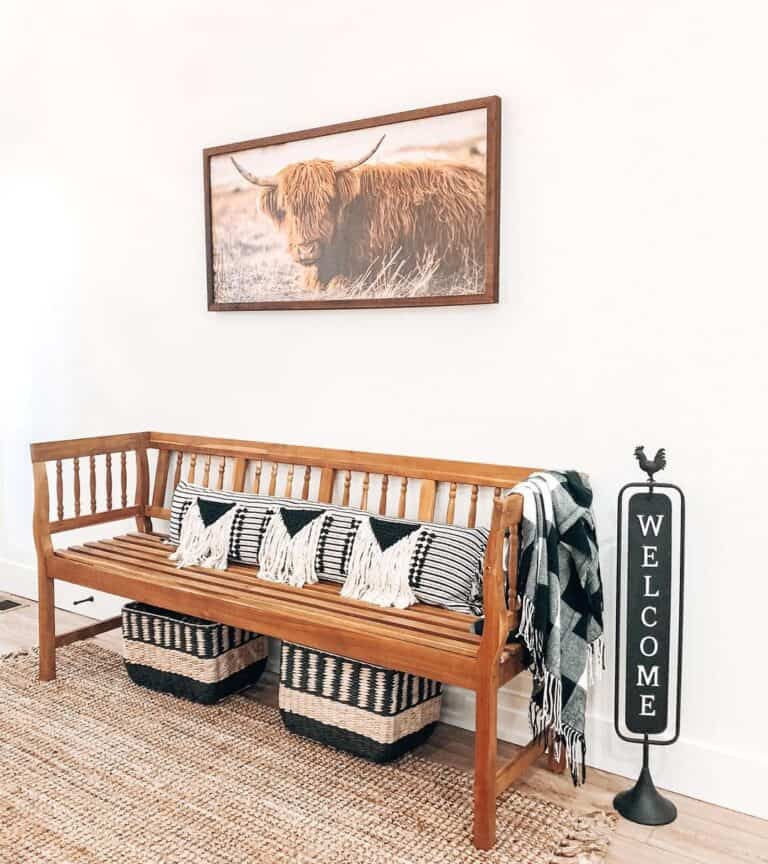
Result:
pixel 648 612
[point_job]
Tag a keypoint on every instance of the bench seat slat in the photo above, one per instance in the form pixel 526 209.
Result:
pixel 432 658
pixel 249 583
pixel 264 604
pixel 263 596
pixel 459 620
pixel 247 577
pixel 448 617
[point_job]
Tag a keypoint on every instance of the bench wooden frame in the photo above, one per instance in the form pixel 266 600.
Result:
pixel 422 640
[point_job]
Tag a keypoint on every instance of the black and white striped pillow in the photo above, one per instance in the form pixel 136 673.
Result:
pixel 446 567
pixel 334 546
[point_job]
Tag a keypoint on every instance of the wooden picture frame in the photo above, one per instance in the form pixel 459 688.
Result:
pixel 248 212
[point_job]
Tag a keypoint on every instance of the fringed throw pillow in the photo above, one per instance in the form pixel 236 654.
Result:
pixel 206 528
pixel 396 563
pixel 380 562
pixel 290 545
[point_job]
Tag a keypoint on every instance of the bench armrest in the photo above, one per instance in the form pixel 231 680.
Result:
pixel 498 619
pixel 89 449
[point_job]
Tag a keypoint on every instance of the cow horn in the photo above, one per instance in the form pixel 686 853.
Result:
pixel 338 167
pixel 252 178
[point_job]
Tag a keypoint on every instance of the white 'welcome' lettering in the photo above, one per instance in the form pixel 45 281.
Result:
pixel 650 521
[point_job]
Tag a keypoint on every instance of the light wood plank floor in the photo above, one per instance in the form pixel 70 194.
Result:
pixel 702 833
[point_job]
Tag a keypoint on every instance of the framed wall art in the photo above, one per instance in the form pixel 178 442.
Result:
pixel 397 210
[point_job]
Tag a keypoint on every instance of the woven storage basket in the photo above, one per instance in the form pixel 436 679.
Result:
pixel 189 657
pixel 367 710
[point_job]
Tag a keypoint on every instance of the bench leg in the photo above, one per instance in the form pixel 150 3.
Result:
pixel 46 627
pixel 484 830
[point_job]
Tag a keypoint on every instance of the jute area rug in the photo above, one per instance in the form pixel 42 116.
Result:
pixel 95 770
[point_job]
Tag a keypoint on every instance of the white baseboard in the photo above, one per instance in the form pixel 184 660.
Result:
pixel 694 768
pixel 20 579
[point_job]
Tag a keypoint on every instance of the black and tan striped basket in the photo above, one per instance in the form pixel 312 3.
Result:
pixel 367 710
pixel 187 656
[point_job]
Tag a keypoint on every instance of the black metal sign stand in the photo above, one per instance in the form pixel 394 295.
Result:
pixel 643 803
pixel 649 583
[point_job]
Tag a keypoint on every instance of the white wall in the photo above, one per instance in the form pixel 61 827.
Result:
pixel 632 274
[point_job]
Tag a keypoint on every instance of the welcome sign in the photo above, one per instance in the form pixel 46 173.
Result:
pixel 649 628
pixel 649 612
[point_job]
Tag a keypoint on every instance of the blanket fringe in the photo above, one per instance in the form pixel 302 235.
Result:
pixel 547 725
pixel 533 638
pixel 380 577
pixel 287 559
pixel 201 545
pixel 596 660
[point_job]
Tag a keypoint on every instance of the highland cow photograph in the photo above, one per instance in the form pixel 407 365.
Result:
pixel 400 210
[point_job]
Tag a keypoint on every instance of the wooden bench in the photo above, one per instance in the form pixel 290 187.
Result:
pixel 423 640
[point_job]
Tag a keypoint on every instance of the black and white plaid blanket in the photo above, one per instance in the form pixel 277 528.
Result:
pixel 561 593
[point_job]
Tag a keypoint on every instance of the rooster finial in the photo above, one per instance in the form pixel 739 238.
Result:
pixel 651 466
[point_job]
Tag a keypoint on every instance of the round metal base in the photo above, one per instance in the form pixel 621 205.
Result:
pixel 643 803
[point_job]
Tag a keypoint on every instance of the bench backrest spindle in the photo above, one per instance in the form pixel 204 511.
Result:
pixel 238 474
pixel 76 484
pixel 177 471
pixel 383 496
pixel 108 475
pixel 207 471
pixel 59 490
pixel 92 480
pixel 327 479
pixel 427 500
pixel 124 477
pixel 450 513
pixel 403 496
pixel 472 516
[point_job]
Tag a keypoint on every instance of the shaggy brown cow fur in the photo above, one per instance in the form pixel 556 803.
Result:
pixel 342 224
